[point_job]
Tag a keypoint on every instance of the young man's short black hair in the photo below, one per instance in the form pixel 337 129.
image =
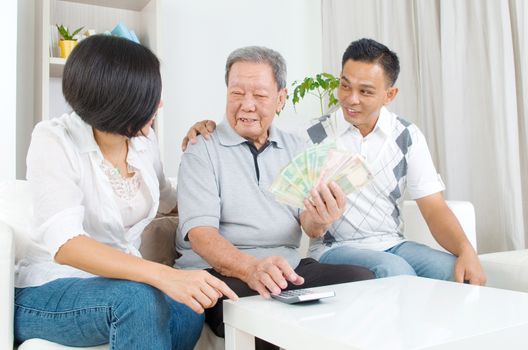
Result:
pixel 113 84
pixel 368 50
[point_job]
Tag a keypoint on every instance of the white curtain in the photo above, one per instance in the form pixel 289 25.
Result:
pixel 464 82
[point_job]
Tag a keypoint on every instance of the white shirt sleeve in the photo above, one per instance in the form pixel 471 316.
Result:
pixel 53 169
pixel 422 178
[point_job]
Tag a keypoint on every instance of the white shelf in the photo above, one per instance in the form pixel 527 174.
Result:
pixel 142 16
pixel 56 66
pixel 134 5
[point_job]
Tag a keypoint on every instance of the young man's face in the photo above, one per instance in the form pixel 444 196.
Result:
pixel 253 99
pixel 362 91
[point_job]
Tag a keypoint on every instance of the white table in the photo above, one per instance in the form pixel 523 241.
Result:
pixel 401 312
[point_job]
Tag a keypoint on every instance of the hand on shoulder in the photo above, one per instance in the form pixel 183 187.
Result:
pixel 204 128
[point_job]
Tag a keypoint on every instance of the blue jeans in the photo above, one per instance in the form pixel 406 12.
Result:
pixel 407 258
pixel 94 311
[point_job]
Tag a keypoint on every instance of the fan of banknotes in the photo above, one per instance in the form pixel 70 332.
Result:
pixel 321 163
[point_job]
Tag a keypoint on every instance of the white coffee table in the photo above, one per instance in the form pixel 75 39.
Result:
pixel 401 312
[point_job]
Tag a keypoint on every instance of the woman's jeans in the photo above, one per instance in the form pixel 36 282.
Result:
pixel 407 258
pixel 94 311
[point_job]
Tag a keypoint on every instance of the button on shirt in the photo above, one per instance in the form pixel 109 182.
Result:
pixel 219 186
pixel 397 155
pixel 72 196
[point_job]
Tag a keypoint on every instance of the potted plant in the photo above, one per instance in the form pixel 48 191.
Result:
pixel 67 41
pixel 321 86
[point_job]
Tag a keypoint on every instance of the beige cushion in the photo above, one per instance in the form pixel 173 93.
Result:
pixel 158 240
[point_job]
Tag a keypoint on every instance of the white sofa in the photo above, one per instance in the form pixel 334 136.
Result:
pixel 16 211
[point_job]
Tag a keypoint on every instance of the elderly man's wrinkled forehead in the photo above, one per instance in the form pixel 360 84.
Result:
pixel 262 55
pixel 251 72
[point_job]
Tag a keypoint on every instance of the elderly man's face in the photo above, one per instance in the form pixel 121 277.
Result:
pixel 253 99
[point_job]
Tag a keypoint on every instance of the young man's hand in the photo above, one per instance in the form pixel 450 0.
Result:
pixel 204 128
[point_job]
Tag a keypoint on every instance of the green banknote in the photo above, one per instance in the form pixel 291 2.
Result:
pixel 321 163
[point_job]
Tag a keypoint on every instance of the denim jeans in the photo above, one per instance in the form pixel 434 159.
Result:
pixel 407 258
pixel 94 311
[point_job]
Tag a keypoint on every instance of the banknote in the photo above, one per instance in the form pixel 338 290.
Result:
pixel 322 163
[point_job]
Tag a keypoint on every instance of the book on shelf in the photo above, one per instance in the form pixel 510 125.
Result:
pixel 122 31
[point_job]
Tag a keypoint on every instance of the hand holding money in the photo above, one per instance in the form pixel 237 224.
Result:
pixel 326 204
pixel 320 164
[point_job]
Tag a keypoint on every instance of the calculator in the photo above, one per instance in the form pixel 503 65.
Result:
pixel 302 295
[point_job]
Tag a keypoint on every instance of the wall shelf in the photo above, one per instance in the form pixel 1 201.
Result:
pixel 56 66
pixel 135 5
pixel 142 16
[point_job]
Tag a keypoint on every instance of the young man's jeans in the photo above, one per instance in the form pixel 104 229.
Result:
pixel 407 258
pixel 94 311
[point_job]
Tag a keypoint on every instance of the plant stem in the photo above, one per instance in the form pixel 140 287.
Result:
pixel 321 97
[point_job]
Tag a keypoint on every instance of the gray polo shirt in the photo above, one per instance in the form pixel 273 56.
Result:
pixel 218 187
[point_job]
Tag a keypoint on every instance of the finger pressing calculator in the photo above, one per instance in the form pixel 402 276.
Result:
pixel 302 295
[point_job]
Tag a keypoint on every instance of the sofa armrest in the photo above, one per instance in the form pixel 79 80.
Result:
pixel 7 263
pixel 506 270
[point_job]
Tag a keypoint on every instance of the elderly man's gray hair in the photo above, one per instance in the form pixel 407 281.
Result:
pixel 259 54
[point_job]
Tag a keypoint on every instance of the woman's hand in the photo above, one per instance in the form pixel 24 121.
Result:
pixel 197 289
pixel 204 128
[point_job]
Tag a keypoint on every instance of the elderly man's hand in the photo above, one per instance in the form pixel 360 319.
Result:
pixel 327 204
pixel 271 274
pixel 204 128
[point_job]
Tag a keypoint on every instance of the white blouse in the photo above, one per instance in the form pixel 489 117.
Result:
pixel 73 196
pixel 134 205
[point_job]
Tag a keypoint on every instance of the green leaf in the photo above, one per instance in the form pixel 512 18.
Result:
pixel 295 95
pixel 65 33
pixel 332 101
pixel 302 91
pixel 295 99
pixel 321 85
pixel 76 31
pixel 321 82
pixel 334 84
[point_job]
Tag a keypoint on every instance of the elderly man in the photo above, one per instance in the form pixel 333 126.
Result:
pixel 228 217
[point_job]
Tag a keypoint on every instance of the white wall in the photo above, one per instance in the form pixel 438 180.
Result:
pixel 25 114
pixel 8 21
pixel 197 37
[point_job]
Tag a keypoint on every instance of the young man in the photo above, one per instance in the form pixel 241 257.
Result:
pixel 370 232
